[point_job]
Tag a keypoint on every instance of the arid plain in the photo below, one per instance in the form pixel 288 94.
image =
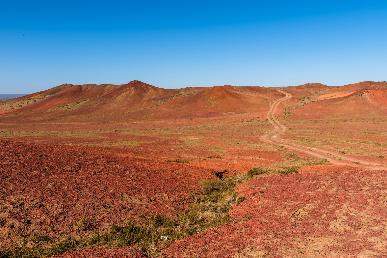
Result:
pixel 139 171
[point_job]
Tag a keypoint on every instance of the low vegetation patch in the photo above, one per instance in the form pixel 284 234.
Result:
pixel 209 208
pixel 293 160
pixel 305 100
pixel 85 224
pixel 255 172
pixel 287 170
pixel 182 161
pixel 214 157
pixel 288 112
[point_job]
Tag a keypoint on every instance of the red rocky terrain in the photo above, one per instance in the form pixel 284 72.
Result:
pixel 47 189
pixel 78 159
pixel 325 211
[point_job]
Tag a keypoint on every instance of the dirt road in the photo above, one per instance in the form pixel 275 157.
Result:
pixel 274 137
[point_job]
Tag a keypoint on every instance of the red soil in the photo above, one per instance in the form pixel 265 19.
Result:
pixel 138 100
pixel 135 100
pixel 323 211
pixel 364 85
pixel 360 103
pixel 124 252
pixel 47 189
pixel 335 95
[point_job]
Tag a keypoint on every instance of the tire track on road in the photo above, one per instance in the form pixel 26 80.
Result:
pixel 274 137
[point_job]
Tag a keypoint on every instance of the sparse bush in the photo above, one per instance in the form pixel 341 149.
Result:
pixel 288 170
pixel 287 112
pixel 305 100
pixel 293 156
pixel 214 157
pixel 40 238
pixel 314 162
pixel 321 162
pixel 255 172
pixel 182 161
pixel 211 188
pixel 160 221
pixel 240 199
pixel 221 174
pixel 62 246
pixel 3 221
pixel 85 224
pixel 129 234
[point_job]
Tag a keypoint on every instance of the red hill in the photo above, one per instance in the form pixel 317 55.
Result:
pixel 135 100
pixel 354 100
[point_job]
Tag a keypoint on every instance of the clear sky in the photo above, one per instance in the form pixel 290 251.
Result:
pixel 187 43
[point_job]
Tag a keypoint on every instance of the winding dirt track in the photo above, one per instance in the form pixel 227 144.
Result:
pixel 274 137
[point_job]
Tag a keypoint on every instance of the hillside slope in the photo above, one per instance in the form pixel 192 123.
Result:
pixel 140 101
pixel 356 100
pixel 135 100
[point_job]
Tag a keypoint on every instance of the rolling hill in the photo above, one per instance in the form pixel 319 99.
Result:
pixel 317 101
pixel 135 100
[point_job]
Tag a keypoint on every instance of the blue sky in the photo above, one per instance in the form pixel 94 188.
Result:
pixel 188 43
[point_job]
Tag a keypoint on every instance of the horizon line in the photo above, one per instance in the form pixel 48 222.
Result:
pixel 195 86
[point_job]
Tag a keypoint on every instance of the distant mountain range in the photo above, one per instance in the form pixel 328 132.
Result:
pixel 10 96
pixel 137 100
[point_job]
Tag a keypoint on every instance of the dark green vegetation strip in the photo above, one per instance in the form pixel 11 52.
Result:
pixel 209 209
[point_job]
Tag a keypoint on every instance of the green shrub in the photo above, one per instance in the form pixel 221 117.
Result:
pixel 40 238
pixel 255 172
pixel 85 224
pixel 181 161
pixel 240 199
pixel 129 234
pixel 3 221
pixel 214 190
pixel 288 170
pixel 214 157
pixel 60 247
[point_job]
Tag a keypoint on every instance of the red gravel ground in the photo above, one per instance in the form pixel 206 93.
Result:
pixel 322 211
pixel 48 189
pixel 141 150
pixel 124 252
